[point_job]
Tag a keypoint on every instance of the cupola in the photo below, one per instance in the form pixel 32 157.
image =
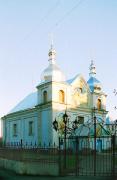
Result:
pixel 52 72
pixel 93 82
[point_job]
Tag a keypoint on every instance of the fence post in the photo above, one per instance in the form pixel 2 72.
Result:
pixel 59 160
pixel 65 147
pixel 77 149
pixel 21 143
pixel 113 151
pixel 95 146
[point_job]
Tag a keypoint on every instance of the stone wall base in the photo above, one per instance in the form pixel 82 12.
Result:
pixel 31 168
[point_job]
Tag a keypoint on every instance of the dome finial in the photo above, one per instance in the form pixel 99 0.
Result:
pixel 52 52
pixel 92 69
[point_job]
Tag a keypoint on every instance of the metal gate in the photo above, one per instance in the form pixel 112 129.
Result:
pixel 88 156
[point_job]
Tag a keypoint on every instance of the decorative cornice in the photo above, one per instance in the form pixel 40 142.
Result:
pixel 51 82
pixel 22 112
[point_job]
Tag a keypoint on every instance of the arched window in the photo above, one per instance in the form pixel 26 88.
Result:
pixel 61 96
pixel 99 103
pixel 45 96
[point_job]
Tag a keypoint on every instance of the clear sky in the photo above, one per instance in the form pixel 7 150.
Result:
pixel 83 30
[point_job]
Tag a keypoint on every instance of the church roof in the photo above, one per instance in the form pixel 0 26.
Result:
pixel 92 82
pixel 69 81
pixel 29 101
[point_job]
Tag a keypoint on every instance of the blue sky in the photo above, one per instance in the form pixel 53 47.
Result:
pixel 83 30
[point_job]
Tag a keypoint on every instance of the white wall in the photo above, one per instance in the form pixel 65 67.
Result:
pixel 46 126
pixel 22 129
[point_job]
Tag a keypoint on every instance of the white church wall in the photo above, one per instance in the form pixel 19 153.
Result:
pixel 22 129
pixel 4 130
pixel 56 87
pixel 94 102
pixel 7 125
pixel 30 138
pixel 46 126
pixel 56 113
pixel 103 98
pixel 87 115
pixel 45 87
pixel 10 136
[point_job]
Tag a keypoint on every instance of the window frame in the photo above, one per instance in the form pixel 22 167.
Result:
pixel 30 128
pixel 80 119
pixel 99 104
pixel 15 130
pixel 45 96
pixel 61 96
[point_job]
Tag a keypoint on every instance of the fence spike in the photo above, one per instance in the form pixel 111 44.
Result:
pixel 40 144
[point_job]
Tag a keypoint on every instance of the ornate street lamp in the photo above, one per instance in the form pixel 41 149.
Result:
pixel 55 125
pixel 65 118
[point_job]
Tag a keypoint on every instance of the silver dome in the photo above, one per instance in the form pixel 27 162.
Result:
pixel 52 73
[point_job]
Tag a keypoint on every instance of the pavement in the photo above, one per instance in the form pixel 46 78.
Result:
pixel 9 175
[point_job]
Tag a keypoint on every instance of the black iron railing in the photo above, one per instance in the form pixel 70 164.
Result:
pixel 85 156
pixel 90 156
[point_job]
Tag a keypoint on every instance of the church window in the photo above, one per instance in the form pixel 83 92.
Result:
pixel 30 128
pixel 81 90
pixel 61 96
pixel 14 129
pixel 45 96
pixel 80 120
pixel 99 104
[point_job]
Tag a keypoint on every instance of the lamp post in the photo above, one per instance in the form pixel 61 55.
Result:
pixel 65 120
pixel 55 125
pixel 94 118
pixel 66 127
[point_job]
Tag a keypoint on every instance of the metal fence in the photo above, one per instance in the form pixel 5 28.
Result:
pixel 28 145
pixel 30 154
pixel 79 156
pixel 89 156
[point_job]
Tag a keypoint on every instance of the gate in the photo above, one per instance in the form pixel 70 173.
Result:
pixel 88 156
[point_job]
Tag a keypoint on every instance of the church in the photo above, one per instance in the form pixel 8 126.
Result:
pixel 31 121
